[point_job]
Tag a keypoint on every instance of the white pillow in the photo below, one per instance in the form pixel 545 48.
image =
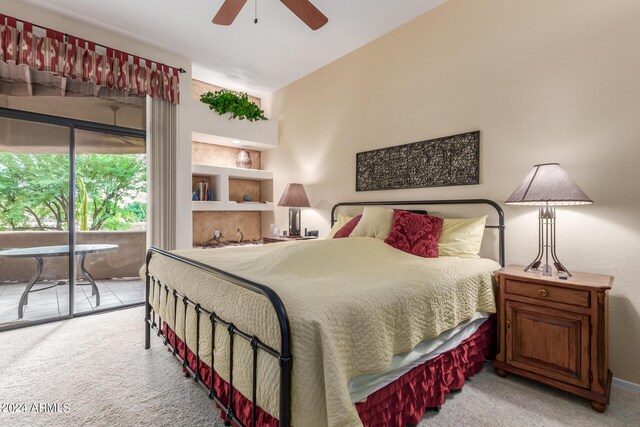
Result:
pixel 340 222
pixel 375 222
pixel 462 237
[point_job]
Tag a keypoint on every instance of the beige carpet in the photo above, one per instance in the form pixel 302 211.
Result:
pixel 97 365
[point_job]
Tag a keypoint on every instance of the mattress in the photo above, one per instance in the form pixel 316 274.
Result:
pixel 364 385
pixel 352 305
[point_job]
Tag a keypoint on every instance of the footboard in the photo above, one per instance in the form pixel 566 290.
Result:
pixel 283 356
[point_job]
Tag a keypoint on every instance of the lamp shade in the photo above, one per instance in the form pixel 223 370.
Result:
pixel 548 184
pixel 294 196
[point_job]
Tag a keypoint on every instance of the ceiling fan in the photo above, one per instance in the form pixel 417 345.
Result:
pixel 303 9
pixel 119 138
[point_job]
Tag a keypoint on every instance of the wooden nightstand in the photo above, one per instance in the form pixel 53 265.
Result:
pixel 278 239
pixel 555 331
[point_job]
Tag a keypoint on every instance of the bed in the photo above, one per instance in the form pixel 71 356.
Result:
pixel 329 332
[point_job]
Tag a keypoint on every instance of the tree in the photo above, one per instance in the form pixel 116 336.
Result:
pixel 113 181
pixel 34 190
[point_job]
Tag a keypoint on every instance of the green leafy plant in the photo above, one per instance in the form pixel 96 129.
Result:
pixel 237 105
pixel 34 191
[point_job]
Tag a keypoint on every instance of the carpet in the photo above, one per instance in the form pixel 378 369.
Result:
pixel 94 371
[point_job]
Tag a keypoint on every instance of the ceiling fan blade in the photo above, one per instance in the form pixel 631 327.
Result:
pixel 307 12
pixel 228 12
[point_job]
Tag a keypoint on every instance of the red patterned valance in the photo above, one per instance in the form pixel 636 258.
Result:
pixel 75 58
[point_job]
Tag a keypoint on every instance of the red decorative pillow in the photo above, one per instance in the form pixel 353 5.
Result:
pixel 416 234
pixel 346 229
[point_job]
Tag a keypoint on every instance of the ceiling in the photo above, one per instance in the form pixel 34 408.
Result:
pixel 257 58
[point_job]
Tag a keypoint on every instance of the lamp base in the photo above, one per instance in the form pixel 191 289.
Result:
pixel 294 222
pixel 547 244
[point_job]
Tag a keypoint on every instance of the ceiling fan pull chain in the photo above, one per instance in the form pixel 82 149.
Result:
pixel 255 21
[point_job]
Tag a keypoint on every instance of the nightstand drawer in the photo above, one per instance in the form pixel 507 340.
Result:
pixel 548 293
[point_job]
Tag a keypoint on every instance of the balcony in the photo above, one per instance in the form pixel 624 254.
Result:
pixel 116 274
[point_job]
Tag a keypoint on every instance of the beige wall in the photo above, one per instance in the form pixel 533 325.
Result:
pixel 544 81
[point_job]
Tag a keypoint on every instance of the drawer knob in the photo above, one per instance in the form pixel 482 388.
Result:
pixel 543 292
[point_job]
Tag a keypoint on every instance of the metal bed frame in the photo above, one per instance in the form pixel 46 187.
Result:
pixel 284 355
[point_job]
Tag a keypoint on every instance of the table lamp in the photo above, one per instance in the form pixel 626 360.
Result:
pixel 548 185
pixel 295 198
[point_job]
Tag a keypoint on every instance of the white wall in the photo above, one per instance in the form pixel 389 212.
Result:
pixel 544 81
pixel 103 36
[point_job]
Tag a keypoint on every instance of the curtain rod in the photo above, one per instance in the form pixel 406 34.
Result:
pixel 66 39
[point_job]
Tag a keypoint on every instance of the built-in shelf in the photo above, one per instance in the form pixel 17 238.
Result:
pixel 228 206
pixel 234 173
pixel 208 126
pixel 219 177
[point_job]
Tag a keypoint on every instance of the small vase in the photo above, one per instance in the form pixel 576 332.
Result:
pixel 243 160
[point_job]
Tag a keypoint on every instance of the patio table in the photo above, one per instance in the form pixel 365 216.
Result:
pixel 41 252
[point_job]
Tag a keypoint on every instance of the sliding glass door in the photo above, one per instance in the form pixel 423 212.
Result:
pixel 34 221
pixel 67 187
pixel 111 208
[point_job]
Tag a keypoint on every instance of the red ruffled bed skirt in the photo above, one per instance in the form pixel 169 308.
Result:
pixel 406 400
pixel 402 402
pixel 241 405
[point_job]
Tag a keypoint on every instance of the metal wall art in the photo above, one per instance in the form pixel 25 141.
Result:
pixel 452 160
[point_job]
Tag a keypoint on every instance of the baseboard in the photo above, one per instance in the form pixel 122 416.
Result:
pixel 627 385
pixel 616 382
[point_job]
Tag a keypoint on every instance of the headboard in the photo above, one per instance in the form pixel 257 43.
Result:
pixel 491 203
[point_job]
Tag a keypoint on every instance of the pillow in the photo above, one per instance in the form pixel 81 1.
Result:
pixel 462 237
pixel 340 222
pixel 346 229
pixel 376 222
pixel 415 233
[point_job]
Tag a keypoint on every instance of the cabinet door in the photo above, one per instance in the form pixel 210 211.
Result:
pixel 548 342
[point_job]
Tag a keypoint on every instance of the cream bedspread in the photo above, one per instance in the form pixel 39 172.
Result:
pixel 352 304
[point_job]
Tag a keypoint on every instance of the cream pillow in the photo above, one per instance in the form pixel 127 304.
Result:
pixel 375 222
pixel 461 237
pixel 340 222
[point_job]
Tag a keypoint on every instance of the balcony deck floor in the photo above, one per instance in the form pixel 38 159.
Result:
pixel 54 302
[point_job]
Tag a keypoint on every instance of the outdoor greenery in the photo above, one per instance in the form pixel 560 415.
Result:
pixel 238 105
pixel 34 191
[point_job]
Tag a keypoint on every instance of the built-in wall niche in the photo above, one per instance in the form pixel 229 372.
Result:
pixel 227 223
pixel 204 192
pixel 228 211
pixel 238 188
pixel 203 153
pixel 230 186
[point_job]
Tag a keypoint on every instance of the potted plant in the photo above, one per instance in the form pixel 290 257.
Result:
pixel 237 105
